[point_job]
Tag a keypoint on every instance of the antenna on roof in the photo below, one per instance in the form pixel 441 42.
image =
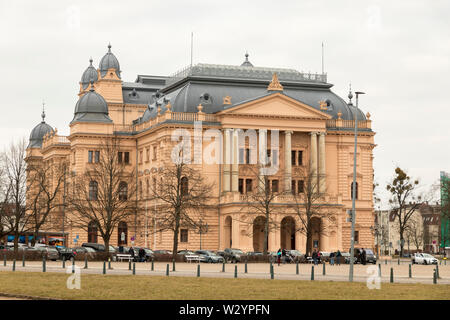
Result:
pixel 192 47
pixel 322 60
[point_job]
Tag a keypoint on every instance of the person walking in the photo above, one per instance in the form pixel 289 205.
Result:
pixel 131 252
pixel 279 256
pixel 283 255
pixel 363 256
pixel 332 258
pixel 141 255
pixel 338 257
pixel 314 256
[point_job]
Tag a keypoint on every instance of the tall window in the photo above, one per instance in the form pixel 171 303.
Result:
pixel 293 184
pixel 141 156
pixel 120 157
pixel 123 191
pixel 155 151
pixel 300 158
pixel 241 186
pixel 93 190
pixel 356 236
pixel 97 156
pixel 293 153
pixel 148 187
pixel 92 232
pixel 183 235
pixel 241 156
pixel 184 186
pixel 140 189
pixel 93 156
pixel 126 158
pixel 274 186
pixel 90 156
pixel 122 233
pixel 247 156
pixel 356 190
pixel 147 151
pixel 248 185
pixel 301 186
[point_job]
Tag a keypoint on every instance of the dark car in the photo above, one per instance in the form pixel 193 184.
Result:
pixel 50 253
pixel 66 253
pixel 370 256
pixel 98 247
pixel 233 255
pixel 149 256
pixel 162 251
pixel 85 250
pixel 209 256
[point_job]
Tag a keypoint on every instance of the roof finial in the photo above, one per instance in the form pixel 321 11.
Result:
pixel 350 95
pixel 92 86
pixel 246 56
pixel 90 60
pixel 109 47
pixel 43 111
pixel 275 84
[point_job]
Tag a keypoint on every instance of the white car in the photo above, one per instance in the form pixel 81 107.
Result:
pixel 424 258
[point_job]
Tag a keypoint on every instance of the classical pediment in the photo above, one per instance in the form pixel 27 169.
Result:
pixel 276 104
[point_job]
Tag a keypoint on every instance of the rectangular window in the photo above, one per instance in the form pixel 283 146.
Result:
pixel 248 185
pixel 293 152
pixel 241 156
pixel 300 158
pixel 356 236
pixel 274 159
pixel 274 186
pixel 147 155
pixel 183 235
pixel 293 186
pixel 268 157
pixel 301 186
pixel 90 156
pixel 241 186
pixel 247 156
pixel 141 156
pixel 155 150
pixel 97 156
pixel 119 157
pixel 127 158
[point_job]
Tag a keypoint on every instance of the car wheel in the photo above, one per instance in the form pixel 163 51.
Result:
pixel 425 262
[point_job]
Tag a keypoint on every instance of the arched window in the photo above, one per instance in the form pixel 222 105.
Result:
pixel 92 232
pixel 93 190
pixel 123 191
pixel 356 191
pixel 148 187
pixel 184 186
pixel 122 233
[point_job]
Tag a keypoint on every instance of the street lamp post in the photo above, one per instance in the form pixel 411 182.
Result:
pixel 352 248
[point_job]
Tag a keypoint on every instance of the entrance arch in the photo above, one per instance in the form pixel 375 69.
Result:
pixel 122 233
pixel 228 232
pixel 258 234
pixel 316 228
pixel 287 233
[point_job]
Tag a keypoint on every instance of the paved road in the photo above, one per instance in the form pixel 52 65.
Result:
pixel 420 273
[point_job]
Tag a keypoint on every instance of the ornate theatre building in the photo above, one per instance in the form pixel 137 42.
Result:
pixel 315 131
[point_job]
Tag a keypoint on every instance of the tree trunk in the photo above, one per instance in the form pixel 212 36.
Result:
pixel 175 237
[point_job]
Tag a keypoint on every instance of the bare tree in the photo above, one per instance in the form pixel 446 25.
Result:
pixel 260 202
pixel 45 184
pixel 102 196
pixel 415 233
pixel 182 195
pixel 14 191
pixel 309 204
pixel 403 201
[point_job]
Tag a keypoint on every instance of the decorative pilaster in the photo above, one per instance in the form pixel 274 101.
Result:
pixel 226 161
pixel 287 161
pixel 235 163
pixel 313 159
pixel 322 169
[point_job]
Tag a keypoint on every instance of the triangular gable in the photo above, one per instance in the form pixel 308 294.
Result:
pixel 277 104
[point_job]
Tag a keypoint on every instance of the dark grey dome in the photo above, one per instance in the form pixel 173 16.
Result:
pixel 91 107
pixel 89 75
pixel 38 133
pixel 109 61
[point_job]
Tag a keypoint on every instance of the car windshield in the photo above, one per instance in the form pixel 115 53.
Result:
pixel 368 251
pixel 237 251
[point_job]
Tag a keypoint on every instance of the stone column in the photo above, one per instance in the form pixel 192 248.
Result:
pixel 287 161
pixel 226 161
pixel 262 146
pixel 322 169
pixel 313 159
pixel 235 162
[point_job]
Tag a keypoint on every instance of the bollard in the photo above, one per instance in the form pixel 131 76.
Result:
pixel 440 262
pixel 153 265
pixel 223 266
pixel 385 261
pixel 85 262
pixel 434 277
pixel 134 268
pixel 271 271
pixel 379 270
pixel 129 264
pixel 198 270
pixel 73 265
pixel 64 262
pixel 104 267
pixel 398 261
pixel 23 259
pixel 44 267
pixel 312 272
pixel 14 265
pixel 410 271
pixel 296 268
pixel 235 271
pixel 437 271
pixel 323 271
pixel 392 275
pixel 173 265
pixel 109 264
pixel 167 270
pixel 4 260
pixel 246 266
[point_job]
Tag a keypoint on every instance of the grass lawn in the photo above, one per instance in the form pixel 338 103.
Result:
pixel 53 285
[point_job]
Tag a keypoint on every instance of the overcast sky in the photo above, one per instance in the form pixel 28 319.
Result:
pixel 395 51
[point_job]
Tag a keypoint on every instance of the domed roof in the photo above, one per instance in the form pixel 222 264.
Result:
pixel 246 63
pixel 91 107
pixel 108 61
pixel 89 75
pixel 38 133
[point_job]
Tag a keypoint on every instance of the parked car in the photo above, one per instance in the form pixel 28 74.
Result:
pixel 98 247
pixel 189 255
pixel 233 255
pixel 296 255
pixel 50 253
pixel 254 253
pixel 86 250
pixel 423 258
pixel 66 253
pixel 346 256
pixel 149 256
pixel 209 256
pixel 162 251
